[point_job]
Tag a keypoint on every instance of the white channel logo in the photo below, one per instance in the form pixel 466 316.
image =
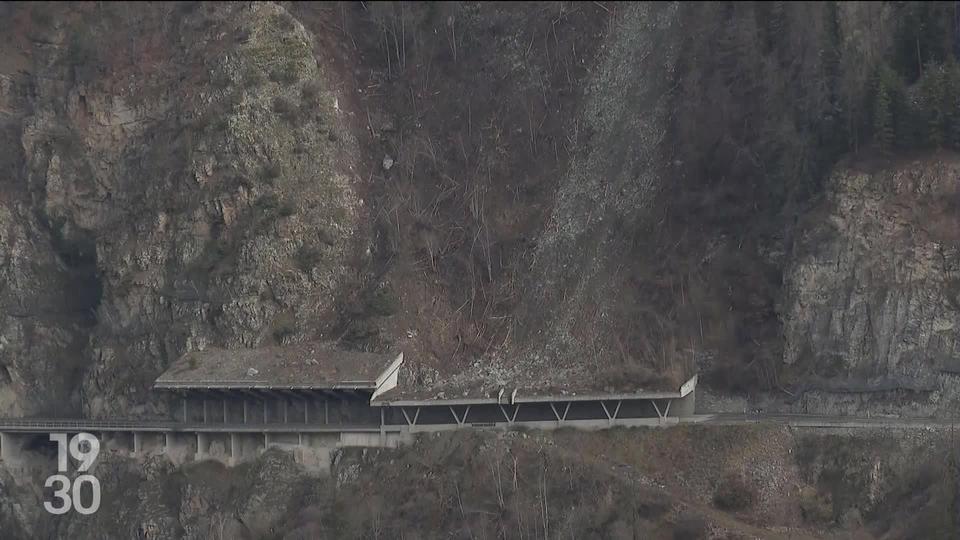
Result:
pixel 84 448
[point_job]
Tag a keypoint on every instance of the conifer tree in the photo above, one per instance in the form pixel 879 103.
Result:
pixel 884 130
pixel 932 112
pixel 883 120
pixel 952 103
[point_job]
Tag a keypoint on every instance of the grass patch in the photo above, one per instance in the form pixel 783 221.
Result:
pixel 287 73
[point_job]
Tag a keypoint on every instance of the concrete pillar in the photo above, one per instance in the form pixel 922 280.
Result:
pixel 185 417
pixel 264 411
pixel 285 416
pixel 306 411
pixel 383 433
pixel 137 444
pixel 300 439
pixel 234 451
pixel 202 444
pixel 10 446
pixel 244 410
pixel 204 410
pixel 166 443
pixel 326 411
pixel 224 411
pixel 266 441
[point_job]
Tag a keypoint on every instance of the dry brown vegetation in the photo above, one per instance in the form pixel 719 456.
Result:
pixel 478 107
pixel 474 103
pixel 658 484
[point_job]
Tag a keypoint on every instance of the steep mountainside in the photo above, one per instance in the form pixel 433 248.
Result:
pixel 689 482
pixel 764 193
pixel 496 200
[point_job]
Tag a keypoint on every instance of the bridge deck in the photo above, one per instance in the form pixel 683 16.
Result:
pixel 824 421
pixel 46 425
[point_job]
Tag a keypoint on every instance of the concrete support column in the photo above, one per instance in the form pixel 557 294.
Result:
pixel 264 411
pixel 234 451
pixel 383 433
pixel 166 443
pixel 225 412
pixel 11 446
pixel 204 410
pixel 306 411
pixel 266 440
pixel 202 444
pixel 185 417
pixel 326 411
pixel 285 415
pixel 137 444
pixel 244 410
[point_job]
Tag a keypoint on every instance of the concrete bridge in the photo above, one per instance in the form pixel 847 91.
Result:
pixel 230 443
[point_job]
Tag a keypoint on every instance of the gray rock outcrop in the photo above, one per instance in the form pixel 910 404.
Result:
pixel 871 295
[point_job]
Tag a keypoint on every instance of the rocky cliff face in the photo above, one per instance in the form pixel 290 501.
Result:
pixel 871 290
pixel 187 181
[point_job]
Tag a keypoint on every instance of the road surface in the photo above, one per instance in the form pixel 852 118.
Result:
pixel 822 421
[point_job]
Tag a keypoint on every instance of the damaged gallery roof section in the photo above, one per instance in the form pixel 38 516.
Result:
pixel 402 396
pixel 305 366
